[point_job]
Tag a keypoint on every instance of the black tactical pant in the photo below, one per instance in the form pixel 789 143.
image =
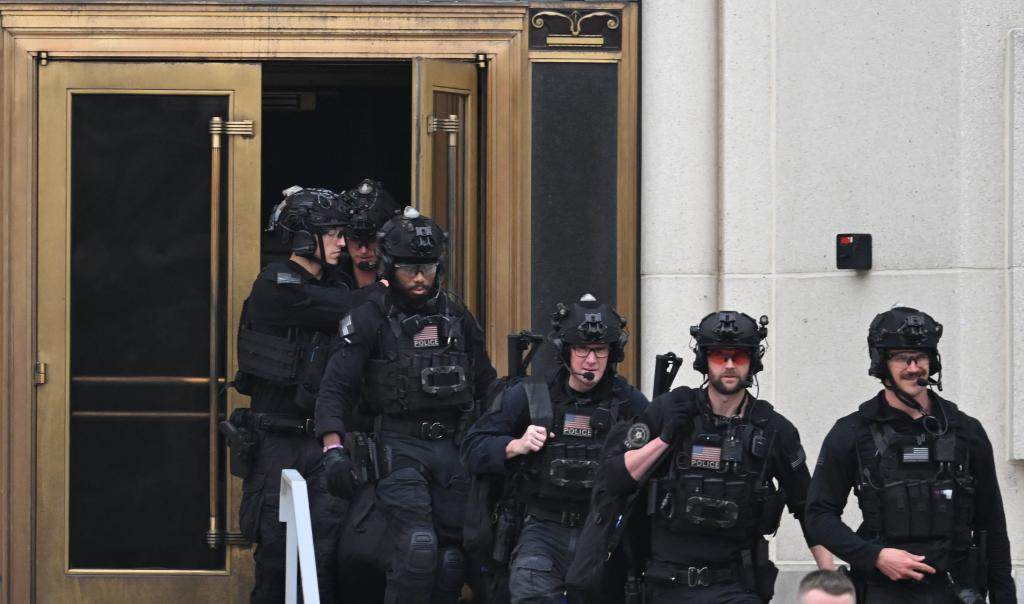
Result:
pixel 933 591
pixel 719 593
pixel 540 561
pixel 424 500
pixel 259 513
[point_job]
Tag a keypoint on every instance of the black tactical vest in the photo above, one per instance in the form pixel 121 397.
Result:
pixel 281 356
pixel 916 489
pixel 561 475
pixel 430 371
pixel 717 482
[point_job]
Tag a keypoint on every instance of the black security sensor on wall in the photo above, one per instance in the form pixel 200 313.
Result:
pixel 853 251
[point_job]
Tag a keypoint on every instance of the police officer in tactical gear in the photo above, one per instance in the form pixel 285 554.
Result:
pixel 367 207
pixel 415 358
pixel 283 340
pixel 933 524
pixel 551 465
pixel 709 460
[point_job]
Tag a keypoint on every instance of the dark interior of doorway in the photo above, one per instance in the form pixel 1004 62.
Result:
pixel 331 125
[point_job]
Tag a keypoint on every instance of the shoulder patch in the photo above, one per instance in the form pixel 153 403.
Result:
pixel 638 435
pixel 290 278
pixel 797 458
pixel 346 327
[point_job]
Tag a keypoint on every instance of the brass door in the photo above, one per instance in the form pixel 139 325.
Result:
pixel 444 105
pixel 148 241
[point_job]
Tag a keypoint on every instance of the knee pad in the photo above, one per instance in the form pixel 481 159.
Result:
pixel 421 552
pixel 451 570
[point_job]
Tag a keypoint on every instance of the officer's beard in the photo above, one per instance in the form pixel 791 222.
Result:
pixel 716 382
pixel 403 297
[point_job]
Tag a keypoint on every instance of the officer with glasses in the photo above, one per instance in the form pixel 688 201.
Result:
pixel 707 462
pixel 933 528
pixel 413 358
pixel 550 466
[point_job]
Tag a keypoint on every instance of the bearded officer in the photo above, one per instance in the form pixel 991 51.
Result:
pixel 709 460
pixel 414 357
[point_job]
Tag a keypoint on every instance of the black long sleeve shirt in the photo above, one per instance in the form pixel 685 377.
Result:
pixel 836 473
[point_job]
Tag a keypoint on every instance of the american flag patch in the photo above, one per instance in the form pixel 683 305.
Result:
pixel 426 338
pixel 577 425
pixel 703 456
pixel 915 454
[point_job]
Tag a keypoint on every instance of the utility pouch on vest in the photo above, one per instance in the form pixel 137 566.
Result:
pixel 311 370
pixel 942 513
pixel 241 442
pixel 920 497
pixel 273 358
pixel 896 510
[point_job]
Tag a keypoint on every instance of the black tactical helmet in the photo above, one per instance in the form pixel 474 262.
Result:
pixel 303 215
pixel 903 328
pixel 588 322
pixel 368 207
pixel 413 238
pixel 729 329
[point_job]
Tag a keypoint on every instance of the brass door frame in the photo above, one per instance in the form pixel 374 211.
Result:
pixel 241 84
pixel 457 78
pixel 32 34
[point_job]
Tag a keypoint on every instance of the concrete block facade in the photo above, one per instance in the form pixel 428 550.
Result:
pixel 768 128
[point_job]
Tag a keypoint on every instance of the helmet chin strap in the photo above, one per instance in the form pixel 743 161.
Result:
pixel 931 424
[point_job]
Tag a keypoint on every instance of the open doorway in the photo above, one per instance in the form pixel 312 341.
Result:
pixel 332 125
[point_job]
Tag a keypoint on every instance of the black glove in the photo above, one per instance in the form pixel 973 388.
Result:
pixel 341 479
pixel 679 410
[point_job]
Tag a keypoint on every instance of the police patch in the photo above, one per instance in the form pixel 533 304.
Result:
pixel 577 425
pixel 290 278
pixel 704 456
pixel 428 337
pixel 638 435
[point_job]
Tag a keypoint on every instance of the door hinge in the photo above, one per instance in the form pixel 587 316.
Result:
pixel 39 374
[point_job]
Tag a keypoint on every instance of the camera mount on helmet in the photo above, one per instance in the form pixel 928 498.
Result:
pixel 729 329
pixel 368 206
pixel 413 239
pixel 588 322
pixel 303 216
pixel 905 328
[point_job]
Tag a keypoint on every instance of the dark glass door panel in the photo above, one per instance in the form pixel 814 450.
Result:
pixel 139 322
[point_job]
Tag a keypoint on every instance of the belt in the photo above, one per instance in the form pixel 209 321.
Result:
pixel 288 424
pixel 691 576
pixel 565 518
pixel 419 429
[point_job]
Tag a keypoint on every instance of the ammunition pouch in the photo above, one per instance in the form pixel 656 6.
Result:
pixel 918 509
pixel 773 505
pixel 362 449
pixel 242 442
pixel 418 381
pixel 269 357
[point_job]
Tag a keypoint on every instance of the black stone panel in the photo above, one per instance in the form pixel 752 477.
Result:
pixel 573 187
